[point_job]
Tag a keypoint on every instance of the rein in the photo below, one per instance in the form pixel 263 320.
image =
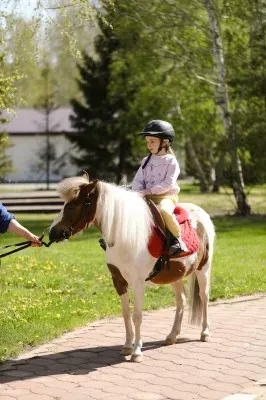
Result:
pixel 22 245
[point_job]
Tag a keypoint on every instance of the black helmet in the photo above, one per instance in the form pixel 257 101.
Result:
pixel 160 129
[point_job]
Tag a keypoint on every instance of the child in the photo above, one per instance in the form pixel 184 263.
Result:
pixel 157 175
pixel 8 223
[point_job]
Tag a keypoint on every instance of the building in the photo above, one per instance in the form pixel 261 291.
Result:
pixel 31 132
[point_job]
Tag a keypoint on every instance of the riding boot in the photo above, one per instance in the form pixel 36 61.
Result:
pixel 177 247
pixel 156 269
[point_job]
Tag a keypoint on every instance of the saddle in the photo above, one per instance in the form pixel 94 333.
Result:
pixel 162 238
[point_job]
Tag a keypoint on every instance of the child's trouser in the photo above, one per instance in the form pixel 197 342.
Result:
pixel 166 206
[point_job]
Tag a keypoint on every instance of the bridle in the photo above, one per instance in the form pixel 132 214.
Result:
pixel 67 233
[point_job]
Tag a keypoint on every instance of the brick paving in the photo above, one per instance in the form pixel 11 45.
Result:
pixel 86 364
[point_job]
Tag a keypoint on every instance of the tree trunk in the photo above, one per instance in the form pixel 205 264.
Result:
pixel 204 183
pixel 222 100
pixel 218 175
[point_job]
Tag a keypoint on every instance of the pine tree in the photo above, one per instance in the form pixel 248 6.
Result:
pixel 100 120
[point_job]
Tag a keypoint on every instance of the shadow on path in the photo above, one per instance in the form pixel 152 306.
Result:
pixel 72 362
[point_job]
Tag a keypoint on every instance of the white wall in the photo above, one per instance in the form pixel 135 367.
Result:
pixel 24 155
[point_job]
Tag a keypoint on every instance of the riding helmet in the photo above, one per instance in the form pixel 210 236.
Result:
pixel 160 129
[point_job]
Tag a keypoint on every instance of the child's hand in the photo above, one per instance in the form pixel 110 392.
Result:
pixel 145 192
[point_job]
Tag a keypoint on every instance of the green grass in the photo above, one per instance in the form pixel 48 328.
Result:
pixel 47 291
pixel 224 202
pixel 240 257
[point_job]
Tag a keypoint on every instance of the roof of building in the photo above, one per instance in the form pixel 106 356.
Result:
pixel 32 121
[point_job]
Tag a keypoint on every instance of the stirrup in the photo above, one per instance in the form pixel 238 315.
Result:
pixel 153 273
pixel 158 267
pixel 176 249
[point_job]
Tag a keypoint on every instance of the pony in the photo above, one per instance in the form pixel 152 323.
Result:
pixel 126 223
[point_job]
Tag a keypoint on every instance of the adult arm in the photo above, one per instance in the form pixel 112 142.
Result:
pixel 8 223
pixel 17 229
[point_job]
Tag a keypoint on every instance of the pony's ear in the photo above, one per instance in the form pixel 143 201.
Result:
pixel 86 175
pixel 89 187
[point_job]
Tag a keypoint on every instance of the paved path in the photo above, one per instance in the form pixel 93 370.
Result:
pixel 86 364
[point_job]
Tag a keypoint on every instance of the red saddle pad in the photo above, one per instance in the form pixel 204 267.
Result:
pixel 188 234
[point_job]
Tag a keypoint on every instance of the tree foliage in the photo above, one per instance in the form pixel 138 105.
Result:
pixel 54 32
pixel 104 141
pixel 165 64
pixel 176 38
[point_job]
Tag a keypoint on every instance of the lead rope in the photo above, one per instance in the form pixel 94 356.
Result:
pixel 23 245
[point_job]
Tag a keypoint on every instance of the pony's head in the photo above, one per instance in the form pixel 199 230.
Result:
pixel 123 216
pixel 78 212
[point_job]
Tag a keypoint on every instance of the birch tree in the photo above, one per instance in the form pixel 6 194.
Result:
pixel 187 40
pixel 222 100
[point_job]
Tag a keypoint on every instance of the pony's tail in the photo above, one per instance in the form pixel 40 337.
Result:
pixel 195 305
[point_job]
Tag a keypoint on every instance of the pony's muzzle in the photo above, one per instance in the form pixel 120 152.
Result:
pixel 66 234
pixel 56 235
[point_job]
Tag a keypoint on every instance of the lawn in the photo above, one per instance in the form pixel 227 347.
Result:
pixel 47 291
pixel 224 202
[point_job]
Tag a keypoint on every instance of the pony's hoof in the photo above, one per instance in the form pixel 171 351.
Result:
pixel 126 351
pixel 137 358
pixel 205 337
pixel 169 341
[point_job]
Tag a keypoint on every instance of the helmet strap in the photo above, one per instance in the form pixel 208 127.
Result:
pixel 160 146
pixel 149 156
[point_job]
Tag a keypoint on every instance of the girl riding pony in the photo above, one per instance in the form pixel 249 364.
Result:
pixel 157 175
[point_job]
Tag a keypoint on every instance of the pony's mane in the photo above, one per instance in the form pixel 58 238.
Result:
pixel 124 217
pixel 69 188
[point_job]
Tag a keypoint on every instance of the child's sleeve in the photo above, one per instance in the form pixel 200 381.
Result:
pixel 138 182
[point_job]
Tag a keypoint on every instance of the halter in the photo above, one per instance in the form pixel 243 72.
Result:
pixel 67 233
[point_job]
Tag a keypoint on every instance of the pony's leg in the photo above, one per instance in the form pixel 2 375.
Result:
pixel 180 297
pixel 128 346
pixel 138 293
pixel 203 278
pixel 121 286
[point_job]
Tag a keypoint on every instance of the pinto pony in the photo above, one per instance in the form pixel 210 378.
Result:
pixel 126 224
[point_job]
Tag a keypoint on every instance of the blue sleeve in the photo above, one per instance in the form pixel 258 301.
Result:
pixel 5 218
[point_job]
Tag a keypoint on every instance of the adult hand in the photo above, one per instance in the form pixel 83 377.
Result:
pixel 35 241
pixel 16 228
